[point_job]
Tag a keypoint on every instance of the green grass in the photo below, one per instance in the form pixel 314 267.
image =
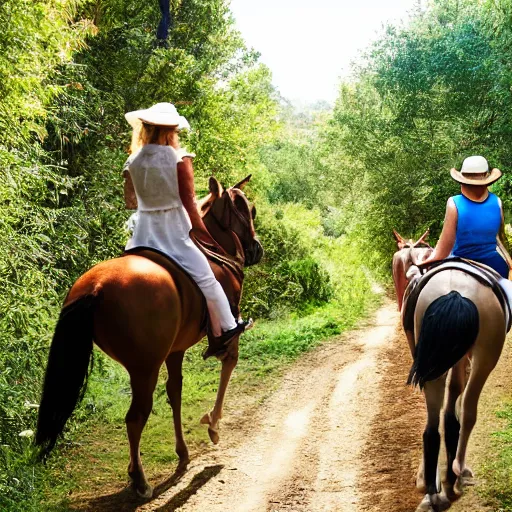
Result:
pixel 498 489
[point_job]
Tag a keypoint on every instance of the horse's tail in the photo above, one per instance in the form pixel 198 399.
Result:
pixel 449 329
pixel 67 371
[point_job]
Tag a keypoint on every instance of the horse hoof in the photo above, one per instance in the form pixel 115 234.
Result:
pixel 452 493
pixel 467 473
pixel 146 493
pixel 465 479
pixel 140 485
pixel 434 503
pixel 425 505
pixel 212 432
pixel 184 458
pixel 443 503
pixel 214 435
pixel 183 464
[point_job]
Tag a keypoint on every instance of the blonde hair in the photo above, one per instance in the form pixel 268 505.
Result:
pixel 144 133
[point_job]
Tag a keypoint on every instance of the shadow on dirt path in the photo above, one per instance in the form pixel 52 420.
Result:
pixel 308 446
pixel 394 450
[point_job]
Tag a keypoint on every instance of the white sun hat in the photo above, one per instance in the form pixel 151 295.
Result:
pixel 475 165
pixel 161 114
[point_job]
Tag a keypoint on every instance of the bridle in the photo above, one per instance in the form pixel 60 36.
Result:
pixel 224 224
pixel 232 209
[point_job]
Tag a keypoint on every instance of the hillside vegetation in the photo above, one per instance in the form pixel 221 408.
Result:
pixel 424 96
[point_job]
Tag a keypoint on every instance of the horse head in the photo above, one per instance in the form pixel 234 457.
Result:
pixel 414 253
pixel 409 253
pixel 226 212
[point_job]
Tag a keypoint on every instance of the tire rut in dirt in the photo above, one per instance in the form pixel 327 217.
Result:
pixel 393 453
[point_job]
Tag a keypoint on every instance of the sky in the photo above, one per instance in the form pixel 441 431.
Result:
pixel 309 44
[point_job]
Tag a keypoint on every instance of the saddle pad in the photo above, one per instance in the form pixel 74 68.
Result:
pixel 483 274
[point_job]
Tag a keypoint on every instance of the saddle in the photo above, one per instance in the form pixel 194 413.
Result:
pixel 174 268
pixel 228 271
pixel 482 273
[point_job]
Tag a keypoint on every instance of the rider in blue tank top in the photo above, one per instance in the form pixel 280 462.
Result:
pixel 478 225
pixel 474 223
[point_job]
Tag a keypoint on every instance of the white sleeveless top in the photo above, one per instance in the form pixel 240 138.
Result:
pixel 153 170
pixel 161 220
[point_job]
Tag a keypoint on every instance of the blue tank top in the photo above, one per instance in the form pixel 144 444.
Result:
pixel 478 225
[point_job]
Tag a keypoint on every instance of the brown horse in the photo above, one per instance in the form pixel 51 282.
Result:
pixel 409 252
pixel 142 316
pixel 459 325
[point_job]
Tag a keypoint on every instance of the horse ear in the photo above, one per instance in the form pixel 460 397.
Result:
pixel 422 238
pixel 398 237
pixel 399 240
pixel 241 184
pixel 215 187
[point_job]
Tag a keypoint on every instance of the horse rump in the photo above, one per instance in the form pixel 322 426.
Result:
pixel 449 329
pixel 67 370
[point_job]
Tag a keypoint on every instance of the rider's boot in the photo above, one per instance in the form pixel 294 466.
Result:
pixel 219 344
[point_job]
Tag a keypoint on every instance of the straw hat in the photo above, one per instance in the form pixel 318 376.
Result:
pixel 161 114
pixel 475 165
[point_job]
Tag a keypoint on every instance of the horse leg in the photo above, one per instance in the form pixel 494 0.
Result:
pixel 420 474
pixel 212 418
pixel 136 418
pixel 477 379
pixel 434 397
pixel 456 384
pixel 174 385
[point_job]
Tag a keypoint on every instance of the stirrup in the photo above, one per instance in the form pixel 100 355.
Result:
pixel 218 346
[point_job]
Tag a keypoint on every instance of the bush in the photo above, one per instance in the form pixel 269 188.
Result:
pixel 289 277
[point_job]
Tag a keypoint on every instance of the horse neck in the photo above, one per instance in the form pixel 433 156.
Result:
pixel 225 238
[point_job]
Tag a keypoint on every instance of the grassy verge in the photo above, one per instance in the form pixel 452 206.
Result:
pixel 498 491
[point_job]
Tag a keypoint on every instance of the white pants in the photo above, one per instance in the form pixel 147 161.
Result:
pixel 168 231
pixel 506 285
pixel 196 264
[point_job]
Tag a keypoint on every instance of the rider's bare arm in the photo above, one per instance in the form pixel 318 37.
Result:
pixel 447 239
pixel 130 199
pixel 188 195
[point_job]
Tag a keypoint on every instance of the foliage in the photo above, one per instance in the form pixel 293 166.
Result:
pixel 427 95
pixel 498 489
pixel 289 277
pixel 294 169
pixel 69 70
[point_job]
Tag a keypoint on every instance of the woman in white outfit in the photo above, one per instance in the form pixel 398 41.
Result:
pixel 159 183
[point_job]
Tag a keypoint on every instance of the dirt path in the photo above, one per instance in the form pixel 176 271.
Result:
pixel 341 433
